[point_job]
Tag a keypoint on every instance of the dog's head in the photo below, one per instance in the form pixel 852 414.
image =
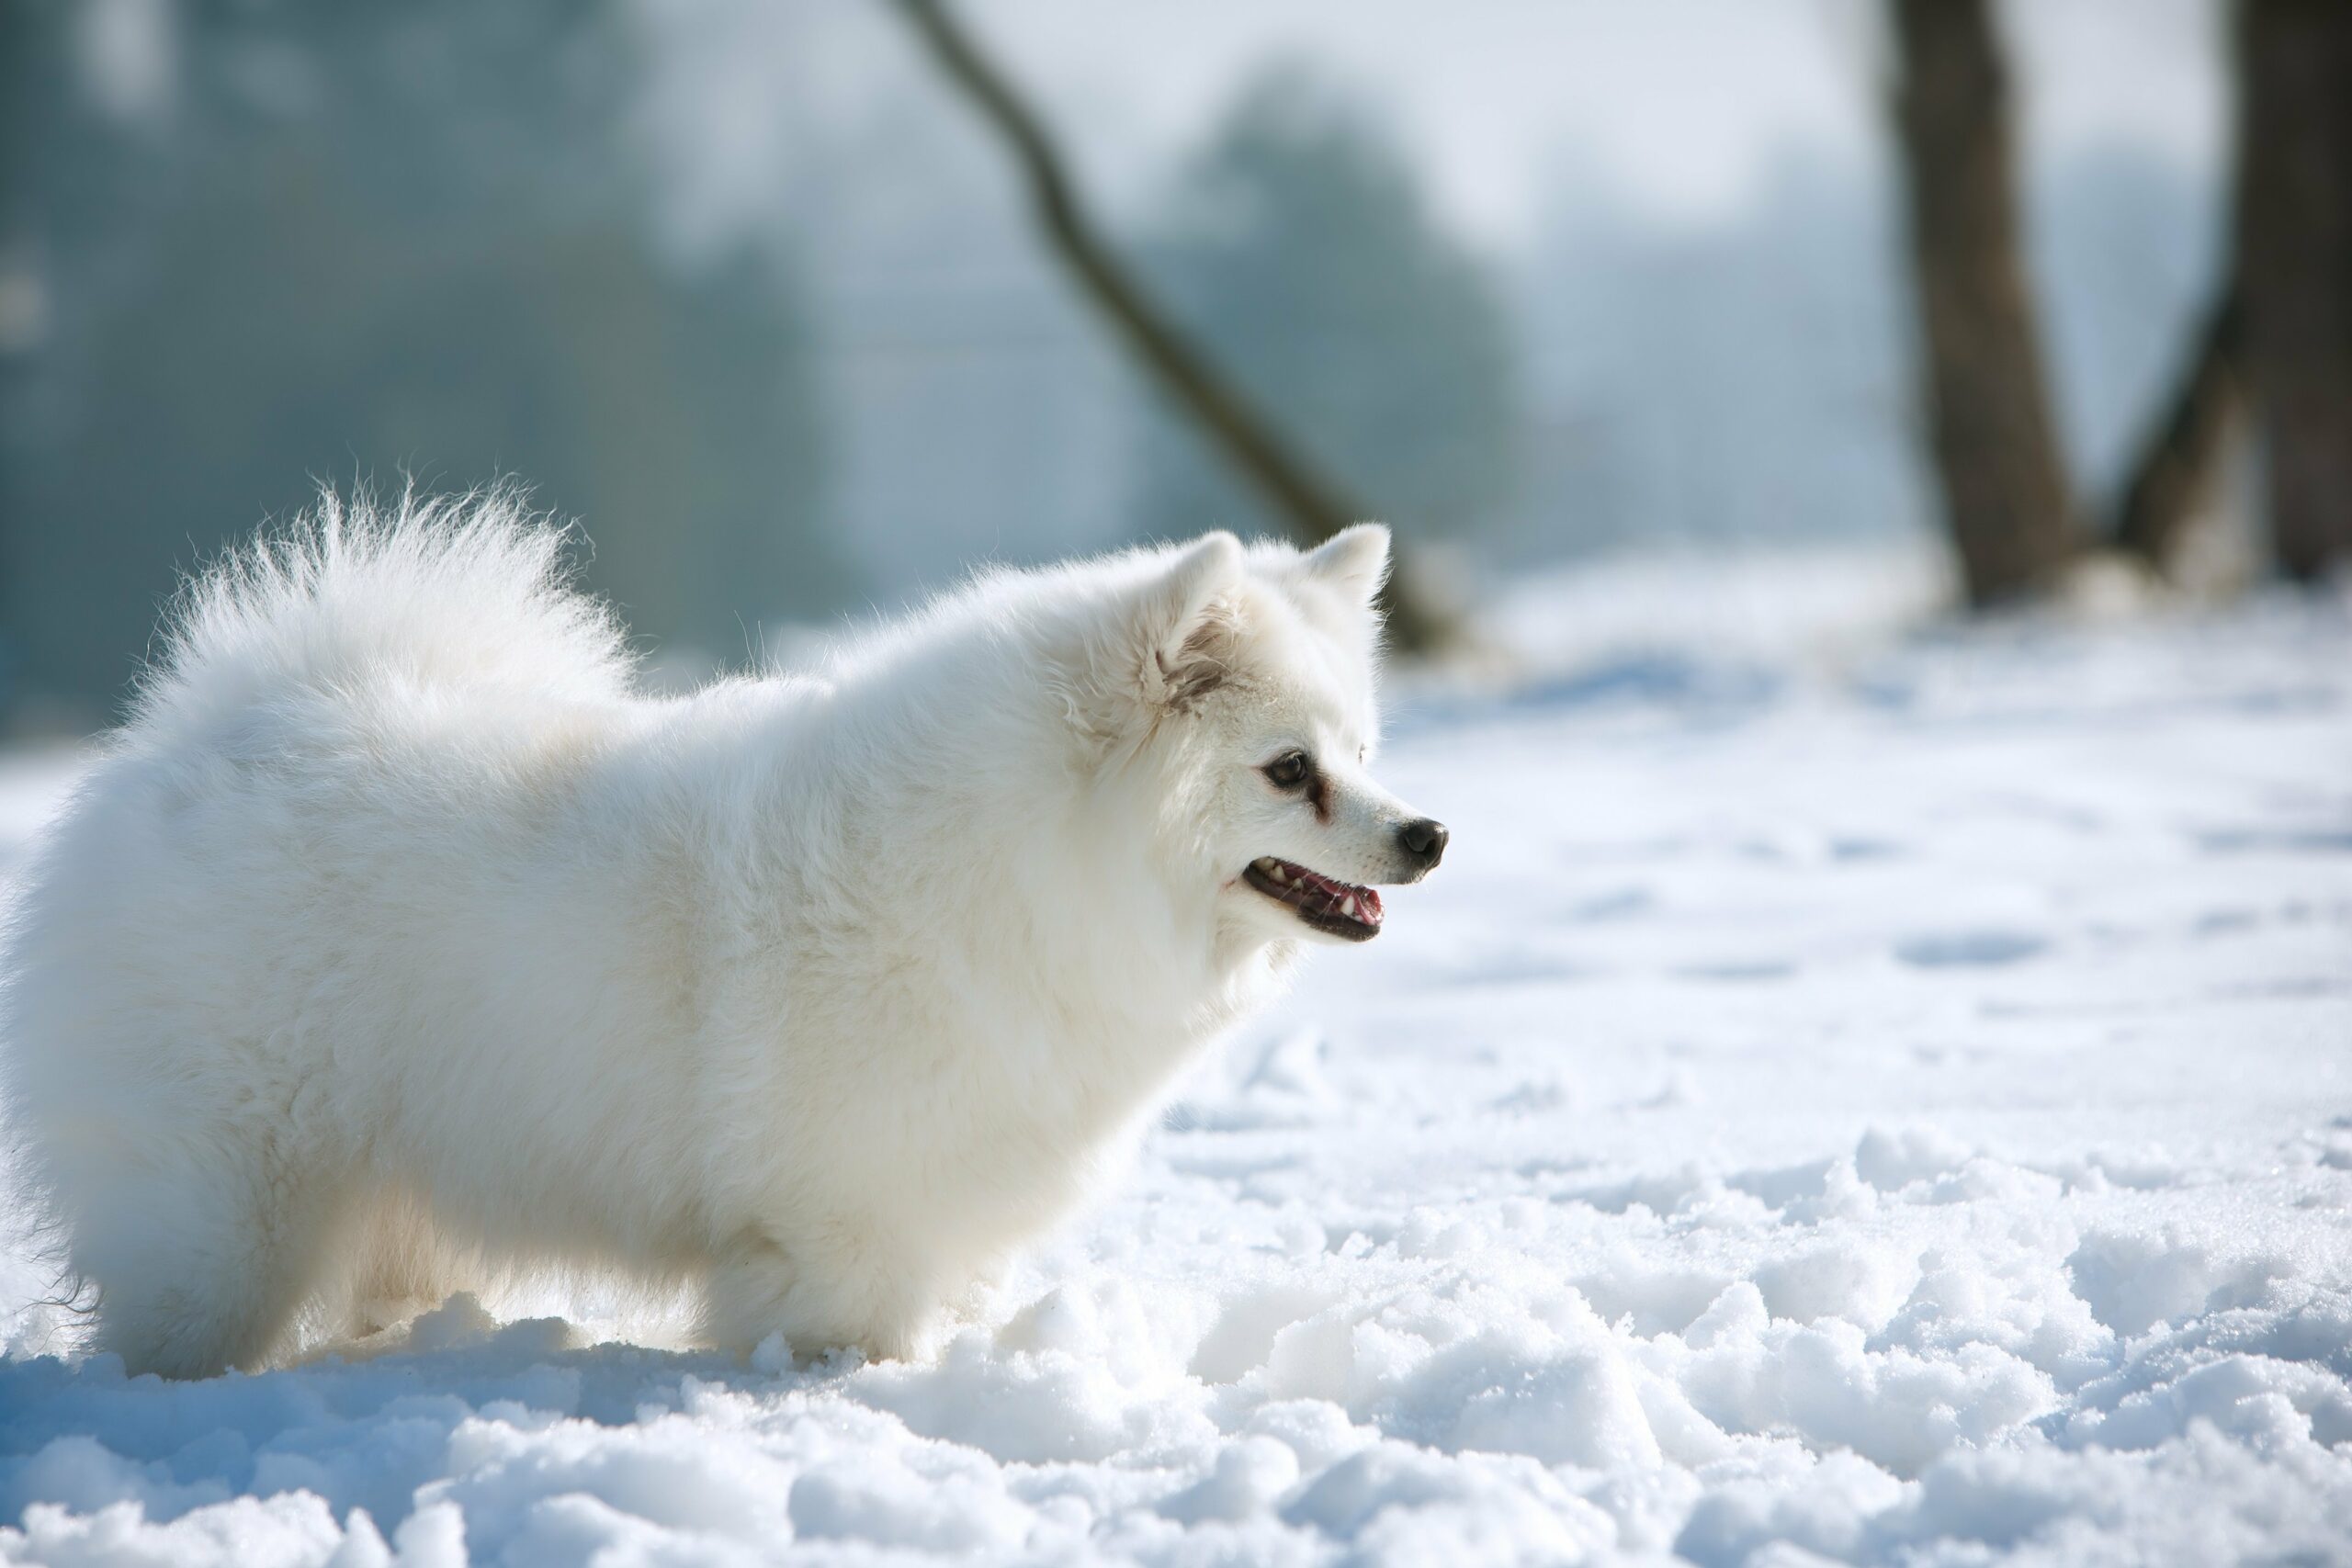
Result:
pixel 1242 682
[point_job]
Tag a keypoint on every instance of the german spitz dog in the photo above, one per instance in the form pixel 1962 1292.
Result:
pixel 399 936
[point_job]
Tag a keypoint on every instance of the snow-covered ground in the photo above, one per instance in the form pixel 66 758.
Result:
pixel 1895 1106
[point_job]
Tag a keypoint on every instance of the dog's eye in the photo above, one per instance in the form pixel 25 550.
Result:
pixel 1289 771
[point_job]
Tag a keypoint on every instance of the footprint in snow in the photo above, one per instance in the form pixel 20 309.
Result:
pixel 1969 949
pixel 2276 841
pixel 1738 971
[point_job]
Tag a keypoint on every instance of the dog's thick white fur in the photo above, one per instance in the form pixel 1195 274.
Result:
pixel 396 935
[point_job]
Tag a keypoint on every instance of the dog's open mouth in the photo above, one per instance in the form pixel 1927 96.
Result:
pixel 1341 908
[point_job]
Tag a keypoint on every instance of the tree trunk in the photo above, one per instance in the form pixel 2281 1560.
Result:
pixel 1314 504
pixel 2294 238
pixel 2004 484
pixel 2177 468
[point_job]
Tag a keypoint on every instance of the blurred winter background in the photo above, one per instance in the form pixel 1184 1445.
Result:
pixel 1868 1084
pixel 748 288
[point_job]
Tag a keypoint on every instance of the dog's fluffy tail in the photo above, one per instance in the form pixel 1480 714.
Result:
pixel 467 591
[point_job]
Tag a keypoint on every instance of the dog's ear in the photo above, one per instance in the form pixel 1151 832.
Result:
pixel 1353 562
pixel 1183 622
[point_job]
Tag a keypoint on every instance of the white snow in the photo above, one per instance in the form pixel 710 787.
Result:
pixel 1882 1102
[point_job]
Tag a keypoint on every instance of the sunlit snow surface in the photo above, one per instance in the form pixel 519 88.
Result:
pixel 1890 1109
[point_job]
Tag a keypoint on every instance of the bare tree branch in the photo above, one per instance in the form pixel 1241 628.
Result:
pixel 1314 506
pixel 2175 468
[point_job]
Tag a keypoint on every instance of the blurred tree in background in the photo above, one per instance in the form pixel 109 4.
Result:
pixel 1298 246
pixel 349 238
pixel 2294 268
pixel 1987 404
pixel 2271 356
pixel 2274 358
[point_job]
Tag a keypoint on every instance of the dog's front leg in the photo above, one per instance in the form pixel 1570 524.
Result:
pixel 828 1287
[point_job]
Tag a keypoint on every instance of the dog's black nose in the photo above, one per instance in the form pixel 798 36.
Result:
pixel 1424 840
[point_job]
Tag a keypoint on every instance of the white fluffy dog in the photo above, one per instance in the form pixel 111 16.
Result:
pixel 395 936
